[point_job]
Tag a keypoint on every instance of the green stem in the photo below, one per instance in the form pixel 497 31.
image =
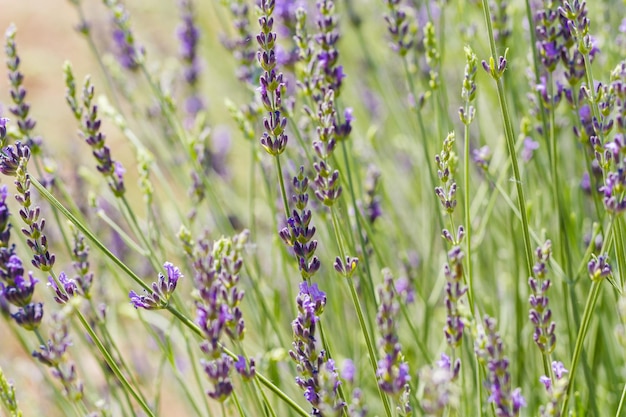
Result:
pixel 622 399
pixel 468 222
pixel 368 342
pixel 113 365
pixel 582 332
pixel 510 141
pixel 281 180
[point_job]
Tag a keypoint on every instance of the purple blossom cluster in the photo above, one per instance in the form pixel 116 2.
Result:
pixel 16 287
pixel 129 54
pixel 609 151
pixel 327 54
pixel 371 207
pixel 20 108
pixel 189 36
pixel 53 354
pixel 489 349
pixel 112 170
pixel 63 287
pixel 439 390
pixel 327 183
pixel 298 234
pixel 242 45
pixel 455 289
pixel 321 81
pixel 446 166
pixel 599 267
pixel 402 37
pixel 216 274
pixel 540 312
pixel 31 216
pixel 162 290
pixel 556 389
pixel 80 262
pixel 274 139
pixel 318 376
pixel 393 371
pixel 562 36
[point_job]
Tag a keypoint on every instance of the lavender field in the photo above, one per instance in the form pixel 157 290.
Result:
pixel 313 208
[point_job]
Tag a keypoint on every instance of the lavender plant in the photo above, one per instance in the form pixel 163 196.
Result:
pixel 340 189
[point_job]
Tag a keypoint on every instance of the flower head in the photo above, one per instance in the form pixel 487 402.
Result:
pixel 162 290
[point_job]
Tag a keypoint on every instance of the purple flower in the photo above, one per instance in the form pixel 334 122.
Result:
pixel 67 290
pixel 216 276
pixel 144 301
pixel 540 314
pixel 348 370
pixel 402 38
pixel 599 267
pixel 53 354
pixel 129 54
pixel 272 86
pixel 556 390
pixel 299 233
pixel 29 317
pixel 189 36
pixel 439 390
pixel 392 372
pixel 245 368
pixel 347 268
pixel 162 290
pixel 3 130
pixel 112 170
pixel 317 377
pixel 530 146
pixel 21 108
pixel 11 156
pixel 481 157
pixel 490 352
pixel 20 291
pixel 559 369
pixel 241 45
pixel 455 289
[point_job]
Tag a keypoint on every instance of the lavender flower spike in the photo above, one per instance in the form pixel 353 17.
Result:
pixel 540 313
pixel 20 109
pixel 130 56
pixel 318 377
pixel 556 390
pixel 274 139
pixel 393 372
pixel 3 130
pixel 162 290
pixel 11 156
pixel 490 352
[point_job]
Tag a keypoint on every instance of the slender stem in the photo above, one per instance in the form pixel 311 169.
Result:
pixel 281 180
pixel 582 332
pixel 622 399
pixel 510 141
pixel 113 365
pixel 368 341
pixel 468 220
